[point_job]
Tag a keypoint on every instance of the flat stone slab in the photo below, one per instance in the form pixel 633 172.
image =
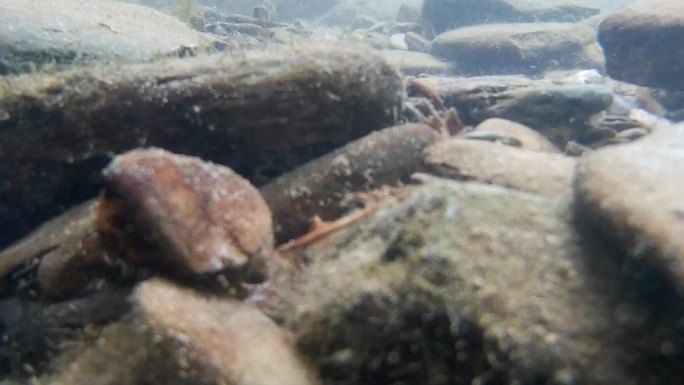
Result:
pixel 443 15
pixel 524 48
pixel 67 32
pixel 634 194
pixel 643 44
pixel 465 159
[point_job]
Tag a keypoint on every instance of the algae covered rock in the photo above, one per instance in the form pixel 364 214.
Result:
pixel 259 112
pixel 463 283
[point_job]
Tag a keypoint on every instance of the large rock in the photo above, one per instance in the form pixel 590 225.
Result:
pixel 463 283
pixel 261 113
pixel 643 44
pixel 67 32
pixel 634 194
pixel 179 336
pixel 443 15
pixel 531 48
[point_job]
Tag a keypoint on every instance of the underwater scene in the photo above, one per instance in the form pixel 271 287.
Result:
pixel 341 192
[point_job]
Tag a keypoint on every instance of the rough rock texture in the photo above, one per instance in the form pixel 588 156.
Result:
pixel 561 113
pixel 633 193
pixel 321 187
pixel 260 113
pixel 463 283
pixel 642 43
pixel 179 213
pixel 530 48
pixel 63 33
pixel 550 175
pixel 529 139
pixel 178 336
pixel 443 15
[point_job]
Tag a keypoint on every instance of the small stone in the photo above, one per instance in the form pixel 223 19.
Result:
pixel 176 212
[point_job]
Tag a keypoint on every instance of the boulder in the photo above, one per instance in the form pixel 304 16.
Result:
pixel 259 112
pixel 442 15
pixel 176 336
pixel 633 193
pixel 642 43
pixel 500 49
pixel 461 283
pixel 65 33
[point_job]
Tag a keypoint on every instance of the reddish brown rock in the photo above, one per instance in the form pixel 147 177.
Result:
pixel 178 213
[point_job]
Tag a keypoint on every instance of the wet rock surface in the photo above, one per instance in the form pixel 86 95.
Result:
pixel 322 186
pixel 443 15
pixel 64 33
pixel 428 226
pixel 530 48
pixel 59 131
pixel 440 288
pixel 550 175
pixel 178 213
pixel 647 29
pixel 646 216
pixel 164 340
pixel 561 112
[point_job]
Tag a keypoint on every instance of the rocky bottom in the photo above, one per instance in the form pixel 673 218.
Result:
pixel 313 213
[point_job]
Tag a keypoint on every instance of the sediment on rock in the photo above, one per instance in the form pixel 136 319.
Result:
pixel 258 112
